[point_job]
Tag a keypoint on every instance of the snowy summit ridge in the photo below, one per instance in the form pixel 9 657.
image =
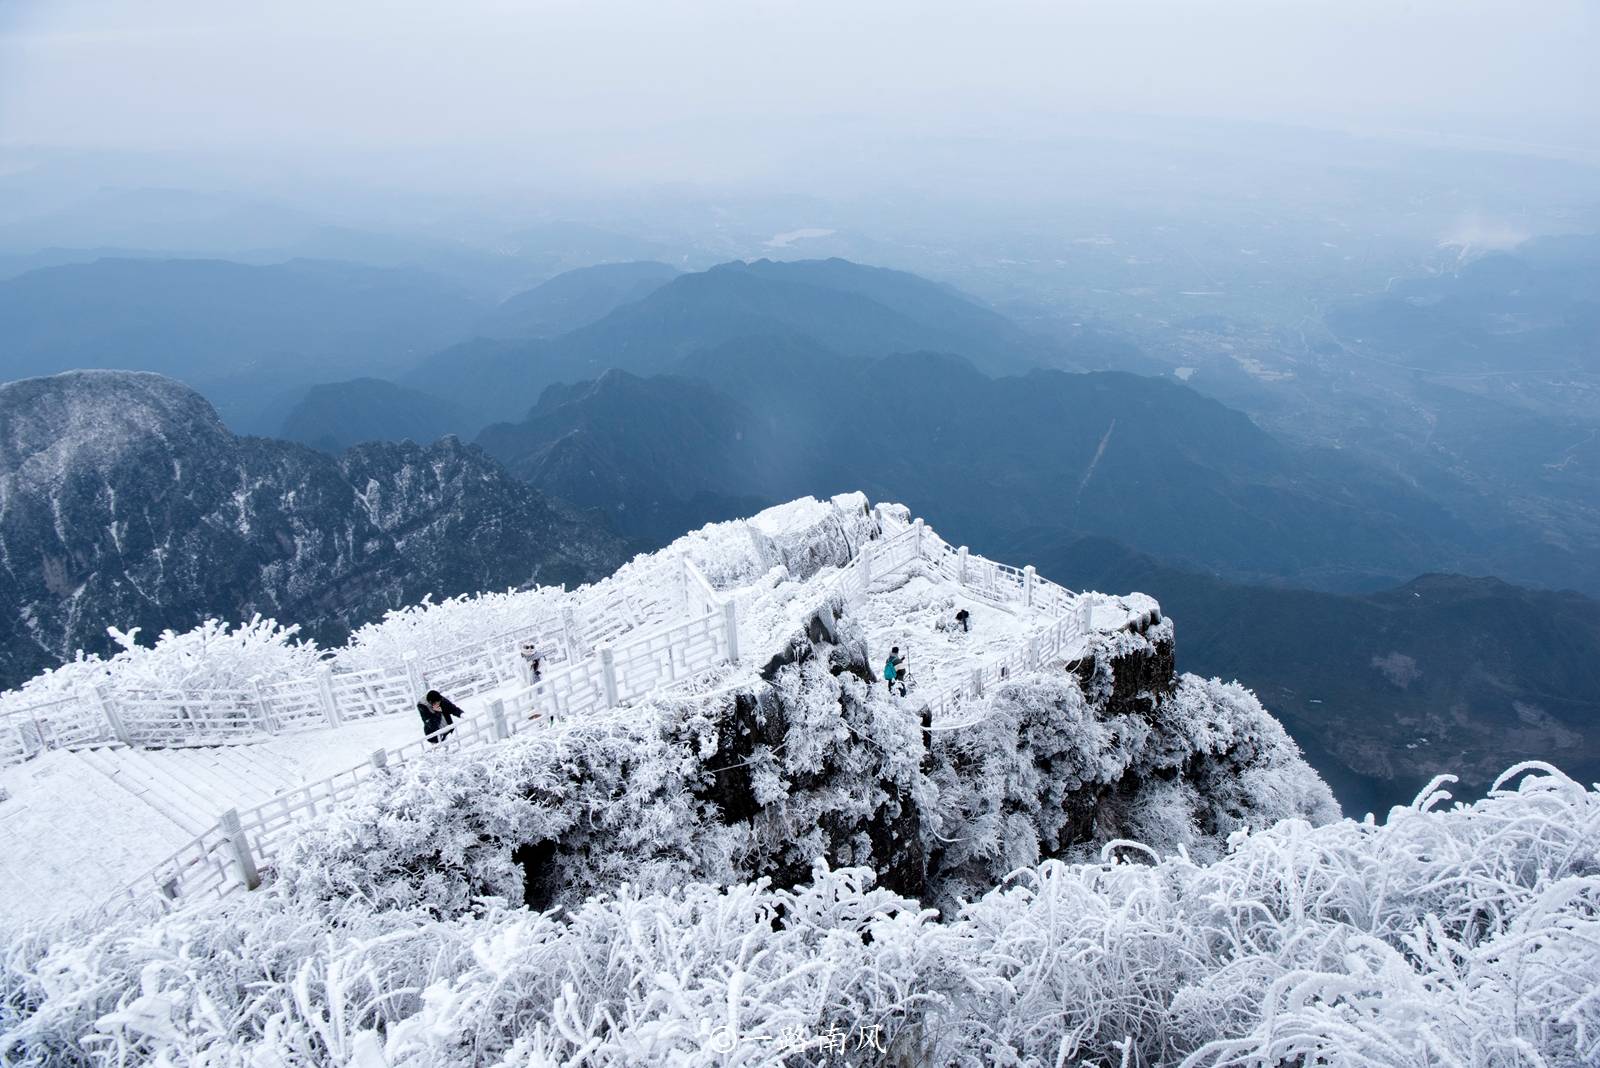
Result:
pixel 1050 847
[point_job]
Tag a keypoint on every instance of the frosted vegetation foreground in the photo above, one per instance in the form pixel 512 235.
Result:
pixel 1468 936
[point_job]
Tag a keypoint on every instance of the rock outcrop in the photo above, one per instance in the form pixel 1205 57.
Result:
pixel 124 501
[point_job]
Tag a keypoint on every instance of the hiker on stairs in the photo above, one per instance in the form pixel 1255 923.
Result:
pixel 894 671
pixel 439 714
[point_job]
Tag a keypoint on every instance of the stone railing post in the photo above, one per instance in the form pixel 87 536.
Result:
pixel 244 863
pixel 379 759
pixel 113 715
pixel 414 676
pixel 263 713
pixel 1033 651
pixel 867 552
pixel 330 708
pixel 1030 579
pixel 730 629
pixel 977 682
pixel 917 537
pixel 608 673
pixel 27 742
pixel 497 719
pixel 961 565
pixel 569 632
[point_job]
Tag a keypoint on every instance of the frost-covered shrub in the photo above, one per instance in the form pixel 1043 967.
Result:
pixel 437 833
pixel 212 656
pixel 803 537
pixel 434 627
pixel 1048 773
pixel 1464 937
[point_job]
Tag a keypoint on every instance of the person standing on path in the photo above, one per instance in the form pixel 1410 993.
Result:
pixel 439 714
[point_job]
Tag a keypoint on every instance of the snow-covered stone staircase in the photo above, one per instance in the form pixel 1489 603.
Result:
pixel 191 786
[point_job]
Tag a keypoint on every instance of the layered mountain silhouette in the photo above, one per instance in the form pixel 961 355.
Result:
pixel 334 416
pixel 855 311
pixel 1526 310
pixel 240 334
pixel 124 500
pixel 574 299
pixel 1145 461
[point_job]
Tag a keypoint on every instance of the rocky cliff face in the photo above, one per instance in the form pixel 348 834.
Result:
pixel 124 501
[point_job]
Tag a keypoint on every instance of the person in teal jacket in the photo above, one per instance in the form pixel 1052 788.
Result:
pixel 893 670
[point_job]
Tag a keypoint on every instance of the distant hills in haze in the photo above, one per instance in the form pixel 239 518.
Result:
pixel 1533 308
pixel 334 416
pixel 849 309
pixel 574 299
pixel 1145 461
pixel 240 334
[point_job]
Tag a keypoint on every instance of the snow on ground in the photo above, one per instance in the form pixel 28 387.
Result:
pixel 919 615
pixel 76 834
pixel 75 837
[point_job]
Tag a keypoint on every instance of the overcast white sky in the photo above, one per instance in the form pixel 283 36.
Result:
pixel 318 78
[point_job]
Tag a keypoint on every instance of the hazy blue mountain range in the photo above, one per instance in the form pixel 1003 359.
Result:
pixel 337 415
pixel 1144 461
pixel 124 500
pixel 240 334
pixel 1535 308
pixel 1382 689
pixel 853 310
pixel 574 299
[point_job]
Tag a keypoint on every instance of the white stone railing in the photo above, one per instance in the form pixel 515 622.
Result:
pixel 1058 641
pixel 112 715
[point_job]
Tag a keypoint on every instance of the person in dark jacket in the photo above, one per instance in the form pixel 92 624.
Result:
pixel 439 714
pixel 962 618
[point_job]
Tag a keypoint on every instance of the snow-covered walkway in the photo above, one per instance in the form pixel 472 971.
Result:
pixel 83 825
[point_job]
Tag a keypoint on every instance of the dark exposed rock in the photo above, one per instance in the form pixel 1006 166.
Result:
pixel 1132 681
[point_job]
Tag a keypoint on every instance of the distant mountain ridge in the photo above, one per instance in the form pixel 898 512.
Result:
pixel 855 311
pixel 1145 461
pixel 334 416
pixel 574 299
pixel 124 501
pixel 240 334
